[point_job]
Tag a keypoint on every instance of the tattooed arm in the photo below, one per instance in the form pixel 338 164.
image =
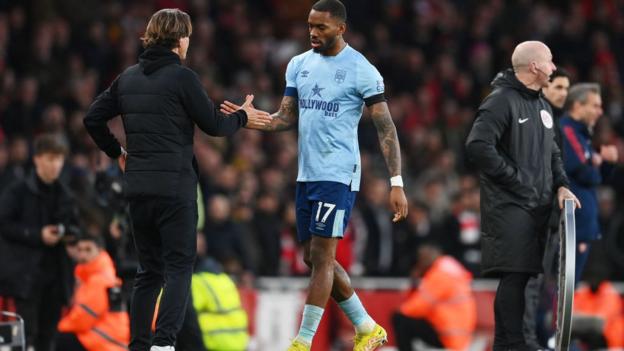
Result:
pixel 389 143
pixel 284 119
pixel 388 139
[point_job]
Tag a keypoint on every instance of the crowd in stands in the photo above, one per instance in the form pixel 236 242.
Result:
pixel 437 59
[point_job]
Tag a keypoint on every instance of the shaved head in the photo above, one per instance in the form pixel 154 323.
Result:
pixel 532 63
pixel 529 51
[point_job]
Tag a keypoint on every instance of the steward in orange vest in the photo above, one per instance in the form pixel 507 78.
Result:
pixel 603 301
pixel 441 311
pixel 96 318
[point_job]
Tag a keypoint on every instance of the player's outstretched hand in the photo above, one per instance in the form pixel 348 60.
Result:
pixel 564 193
pixel 398 202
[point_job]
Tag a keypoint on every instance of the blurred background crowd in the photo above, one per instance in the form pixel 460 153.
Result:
pixel 437 59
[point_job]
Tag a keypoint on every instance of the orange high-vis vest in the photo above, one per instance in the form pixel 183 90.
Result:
pixel 605 303
pixel 444 298
pixel 97 328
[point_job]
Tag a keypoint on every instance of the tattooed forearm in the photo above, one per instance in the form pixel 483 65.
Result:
pixel 388 139
pixel 286 117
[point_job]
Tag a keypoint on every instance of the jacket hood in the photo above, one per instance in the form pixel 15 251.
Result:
pixel 508 79
pixel 102 266
pixel 157 57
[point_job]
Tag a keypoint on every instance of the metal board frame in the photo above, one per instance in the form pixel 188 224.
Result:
pixel 567 264
pixel 18 330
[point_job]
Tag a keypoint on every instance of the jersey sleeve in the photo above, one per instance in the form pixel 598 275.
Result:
pixel 291 78
pixel 370 83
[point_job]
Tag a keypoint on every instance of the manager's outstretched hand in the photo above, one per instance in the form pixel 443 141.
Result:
pixel 564 193
pixel 256 119
pixel 228 107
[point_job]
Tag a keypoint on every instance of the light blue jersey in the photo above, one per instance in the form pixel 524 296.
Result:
pixel 332 91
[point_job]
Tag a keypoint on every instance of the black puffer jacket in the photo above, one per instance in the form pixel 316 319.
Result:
pixel 26 206
pixel 512 142
pixel 160 102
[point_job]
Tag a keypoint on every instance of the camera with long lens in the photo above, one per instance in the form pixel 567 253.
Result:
pixel 68 229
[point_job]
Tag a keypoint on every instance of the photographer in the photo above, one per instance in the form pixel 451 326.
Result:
pixel 35 271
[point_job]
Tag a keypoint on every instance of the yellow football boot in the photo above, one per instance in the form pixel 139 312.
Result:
pixel 370 341
pixel 298 346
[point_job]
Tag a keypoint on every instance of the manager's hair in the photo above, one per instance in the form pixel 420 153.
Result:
pixel 579 92
pixel 166 27
pixel 335 8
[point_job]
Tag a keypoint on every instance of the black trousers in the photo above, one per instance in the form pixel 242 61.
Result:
pixel 190 337
pixel 165 238
pixel 509 311
pixel 532 296
pixel 406 329
pixel 41 313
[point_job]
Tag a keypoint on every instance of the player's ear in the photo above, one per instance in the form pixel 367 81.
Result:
pixel 342 28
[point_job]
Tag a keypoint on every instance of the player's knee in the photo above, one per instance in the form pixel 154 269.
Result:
pixel 319 258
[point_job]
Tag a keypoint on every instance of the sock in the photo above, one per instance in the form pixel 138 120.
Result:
pixel 357 314
pixel 162 348
pixel 309 323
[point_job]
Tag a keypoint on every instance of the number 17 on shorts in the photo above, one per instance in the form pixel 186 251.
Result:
pixel 323 209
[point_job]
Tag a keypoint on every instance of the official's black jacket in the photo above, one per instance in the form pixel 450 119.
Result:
pixel 26 206
pixel 160 102
pixel 512 142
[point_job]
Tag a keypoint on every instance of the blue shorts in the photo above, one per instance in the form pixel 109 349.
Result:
pixel 323 209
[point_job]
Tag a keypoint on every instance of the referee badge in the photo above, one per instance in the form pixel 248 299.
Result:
pixel 546 119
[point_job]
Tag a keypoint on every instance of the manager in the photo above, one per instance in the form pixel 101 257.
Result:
pixel 160 102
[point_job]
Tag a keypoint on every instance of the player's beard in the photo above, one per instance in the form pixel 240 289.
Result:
pixel 326 46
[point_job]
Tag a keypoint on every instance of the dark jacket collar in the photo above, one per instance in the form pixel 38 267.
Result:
pixel 155 57
pixel 557 112
pixel 508 79
pixel 32 183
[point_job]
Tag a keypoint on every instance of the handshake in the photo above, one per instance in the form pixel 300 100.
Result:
pixel 256 119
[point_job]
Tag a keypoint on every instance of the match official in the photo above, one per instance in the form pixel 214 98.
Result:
pixel 555 94
pixel 512 142
pixel 160 102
